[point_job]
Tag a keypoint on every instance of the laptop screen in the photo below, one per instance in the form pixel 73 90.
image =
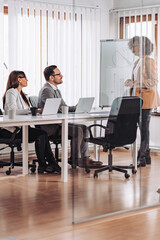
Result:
pixel 51 106
pixel 84 105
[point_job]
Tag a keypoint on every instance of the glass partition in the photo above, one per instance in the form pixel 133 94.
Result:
pixel 123 65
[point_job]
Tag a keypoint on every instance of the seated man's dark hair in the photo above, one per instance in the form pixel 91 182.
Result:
pixel 48 71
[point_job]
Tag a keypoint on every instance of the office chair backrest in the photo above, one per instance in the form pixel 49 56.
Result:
pixel 123 121
pixel 34 101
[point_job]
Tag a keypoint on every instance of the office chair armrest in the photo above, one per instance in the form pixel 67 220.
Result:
pixel 14 133
pixel 94 125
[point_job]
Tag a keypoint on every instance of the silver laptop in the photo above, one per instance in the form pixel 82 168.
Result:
pixel 51 106
pixel 84 105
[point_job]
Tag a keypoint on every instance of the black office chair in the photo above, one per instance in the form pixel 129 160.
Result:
pixel 33 101
pixel 121 130
pixel 56 140
pixel 13 143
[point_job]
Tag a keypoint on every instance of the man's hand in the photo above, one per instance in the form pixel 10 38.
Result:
pixel 40 110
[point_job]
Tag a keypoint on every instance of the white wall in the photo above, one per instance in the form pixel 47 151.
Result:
pixel 105 6
pixel 134 3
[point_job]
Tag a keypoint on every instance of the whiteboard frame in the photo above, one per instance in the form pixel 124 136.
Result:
pixel 128 72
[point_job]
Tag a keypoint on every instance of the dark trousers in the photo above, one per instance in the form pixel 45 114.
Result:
pixel 42 145
pixel 144 130
pixel 76 132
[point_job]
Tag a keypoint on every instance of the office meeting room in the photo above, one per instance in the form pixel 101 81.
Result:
pixel 79 119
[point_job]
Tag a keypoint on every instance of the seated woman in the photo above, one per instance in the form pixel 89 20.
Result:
pixel 14 98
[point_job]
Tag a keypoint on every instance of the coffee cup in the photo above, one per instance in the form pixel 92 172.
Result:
pixel 34 111
pixel 11 113
pixel 64 109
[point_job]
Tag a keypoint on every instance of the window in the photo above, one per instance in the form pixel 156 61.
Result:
pixel 132 23
pixel 39 34
pixel 140 25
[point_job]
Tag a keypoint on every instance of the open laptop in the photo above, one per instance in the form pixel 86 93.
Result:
pixel 84 105
pixel 51 106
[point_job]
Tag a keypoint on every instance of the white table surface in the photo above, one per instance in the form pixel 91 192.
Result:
pixel 26 120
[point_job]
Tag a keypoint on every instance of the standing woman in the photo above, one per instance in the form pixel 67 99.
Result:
pixel 14 98
pixel 144 84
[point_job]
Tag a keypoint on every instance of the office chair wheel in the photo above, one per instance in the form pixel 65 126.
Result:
pixel 127 175
pixel 8 172
pixel 95 175
pixel 87 170
pixel 134 171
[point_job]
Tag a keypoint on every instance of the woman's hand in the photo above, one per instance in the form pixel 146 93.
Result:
pixel 129 83
pixel 149 83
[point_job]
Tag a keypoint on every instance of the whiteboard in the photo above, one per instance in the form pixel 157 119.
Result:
pixel 117 62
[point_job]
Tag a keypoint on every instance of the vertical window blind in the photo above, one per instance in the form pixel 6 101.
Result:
pixel 42 34
pixel 141 22
pixel 3 50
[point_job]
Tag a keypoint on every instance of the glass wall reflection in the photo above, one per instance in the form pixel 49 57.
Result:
pixel 128 68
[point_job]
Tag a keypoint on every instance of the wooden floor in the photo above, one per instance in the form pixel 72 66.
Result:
pixel 41 207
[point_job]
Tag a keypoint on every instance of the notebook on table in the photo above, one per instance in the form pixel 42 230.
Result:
pixel 84 105
pixel 51 106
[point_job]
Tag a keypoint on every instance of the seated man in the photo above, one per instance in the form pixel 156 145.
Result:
pixel 77 132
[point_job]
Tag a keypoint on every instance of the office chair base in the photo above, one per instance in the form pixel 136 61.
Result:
pixel 16 164
pixel 8 172
pixel 110 169
pixel 134 171
pixel 126 175
pixel 4 164
pixel 116 168
pixel 87 169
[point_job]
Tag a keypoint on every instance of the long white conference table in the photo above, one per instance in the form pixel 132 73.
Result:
pixel 25 120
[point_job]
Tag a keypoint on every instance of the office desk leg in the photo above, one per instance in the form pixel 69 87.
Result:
pixel 64 173
pixel 95 146
pixel 25 149
pixel 134 154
